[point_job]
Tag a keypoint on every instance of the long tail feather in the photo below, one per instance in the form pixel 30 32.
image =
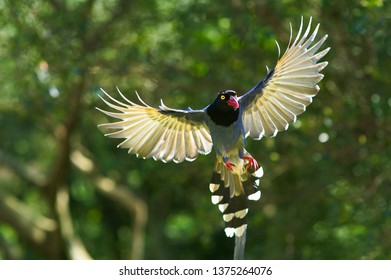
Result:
pixel 231 192
pixel 240 244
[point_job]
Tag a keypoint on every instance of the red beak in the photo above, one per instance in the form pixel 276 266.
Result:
pixel 233 101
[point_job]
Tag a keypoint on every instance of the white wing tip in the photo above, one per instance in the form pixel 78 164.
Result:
pixel 279 51
pixel 190 159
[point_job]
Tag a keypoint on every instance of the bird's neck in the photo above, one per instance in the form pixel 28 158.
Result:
pixel 223 116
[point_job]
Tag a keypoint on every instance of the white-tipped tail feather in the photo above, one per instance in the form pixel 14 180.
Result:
pixel 231 191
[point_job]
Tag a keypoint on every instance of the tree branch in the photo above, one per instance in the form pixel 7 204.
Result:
pixel 35 229
pixel 73 244
pixel 27 173
pixel 122 195
pixel 65 131
pixel 134 205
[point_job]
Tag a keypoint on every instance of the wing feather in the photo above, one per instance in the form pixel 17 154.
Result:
pixel 164 134
pixel 286 91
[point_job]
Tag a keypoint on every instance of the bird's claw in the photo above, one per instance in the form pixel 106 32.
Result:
pixel 229 165
pixel 251 162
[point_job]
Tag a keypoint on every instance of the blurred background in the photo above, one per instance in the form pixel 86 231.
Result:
pixel 67 192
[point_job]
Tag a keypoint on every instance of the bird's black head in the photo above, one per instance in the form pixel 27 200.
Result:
pixel 224 109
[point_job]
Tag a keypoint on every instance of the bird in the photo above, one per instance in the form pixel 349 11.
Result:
pixel 168 134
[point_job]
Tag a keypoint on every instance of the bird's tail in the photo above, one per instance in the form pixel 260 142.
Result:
pixel 231 190
pixel 240 244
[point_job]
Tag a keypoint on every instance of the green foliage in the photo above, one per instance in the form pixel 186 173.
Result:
pixel 326 189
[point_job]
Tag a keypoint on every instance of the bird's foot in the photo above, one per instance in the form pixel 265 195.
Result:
pixel 229 165
pixel 251 162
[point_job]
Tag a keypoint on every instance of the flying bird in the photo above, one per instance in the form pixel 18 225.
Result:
pixel 168 134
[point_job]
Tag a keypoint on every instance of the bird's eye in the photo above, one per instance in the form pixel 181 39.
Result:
pixel 222 97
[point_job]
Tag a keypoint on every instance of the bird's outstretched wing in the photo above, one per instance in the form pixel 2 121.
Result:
pixel 164 134
pixel 287 89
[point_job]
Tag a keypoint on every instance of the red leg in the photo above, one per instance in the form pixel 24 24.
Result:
pixel 251 162
pixel 229 165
